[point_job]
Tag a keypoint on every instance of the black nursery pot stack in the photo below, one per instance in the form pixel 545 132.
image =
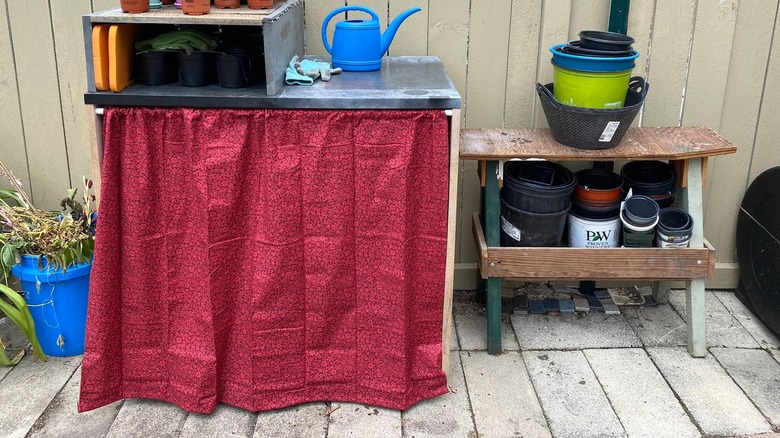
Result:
pixel 535 201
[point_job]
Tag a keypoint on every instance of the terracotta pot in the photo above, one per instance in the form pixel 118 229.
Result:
pixel 195 7
pixel 260 4
pixel 134 6
pixel 227 4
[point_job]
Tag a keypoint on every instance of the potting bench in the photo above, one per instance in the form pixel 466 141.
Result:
pixel 686 147
pixel 405 90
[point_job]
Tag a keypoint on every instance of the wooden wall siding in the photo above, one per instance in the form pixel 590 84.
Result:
pixel 708 62
pixel 766 151
pixel 39 97
pixel 12 148
pixel 42 116
pixel 738 122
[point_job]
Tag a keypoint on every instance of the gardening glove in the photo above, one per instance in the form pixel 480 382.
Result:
pixel 187 40
pixel 316 69
pixel 292 77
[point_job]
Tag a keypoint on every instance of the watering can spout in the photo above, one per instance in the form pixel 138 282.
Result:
pixel 387 37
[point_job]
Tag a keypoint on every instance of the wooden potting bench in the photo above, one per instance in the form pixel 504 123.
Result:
pixel 687 148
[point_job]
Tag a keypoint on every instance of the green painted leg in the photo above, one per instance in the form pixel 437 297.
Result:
pixel 492 238
pixel 661 291
pixel 694 290
pixel 694 318
pixel 481 297
pixel 494 315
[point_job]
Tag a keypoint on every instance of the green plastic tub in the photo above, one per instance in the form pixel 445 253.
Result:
pixel 590 89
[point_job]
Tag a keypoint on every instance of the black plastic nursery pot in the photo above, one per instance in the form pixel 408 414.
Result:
pixel 654 179
pixel 235 69
pixel 537 186
pixel 156 67
pixel 598 185
pixel 603 40
pixel 641 210
pixel 523 228
pixel 197 69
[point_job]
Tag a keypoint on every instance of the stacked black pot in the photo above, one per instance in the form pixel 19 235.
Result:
pixel 535 201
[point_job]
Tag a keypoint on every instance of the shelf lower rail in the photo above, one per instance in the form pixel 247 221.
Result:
pixel 542 264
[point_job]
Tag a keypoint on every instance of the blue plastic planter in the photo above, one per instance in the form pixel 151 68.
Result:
pixel 59 306
pixel 591 63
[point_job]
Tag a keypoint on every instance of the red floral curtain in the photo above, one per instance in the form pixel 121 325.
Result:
pixel 265 258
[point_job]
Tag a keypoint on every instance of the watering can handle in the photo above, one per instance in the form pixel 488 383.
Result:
pixel 325 23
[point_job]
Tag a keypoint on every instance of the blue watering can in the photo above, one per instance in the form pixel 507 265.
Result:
pixel 358 45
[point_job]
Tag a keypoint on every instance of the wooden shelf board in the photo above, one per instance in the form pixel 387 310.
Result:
pixel 593 264
pixel 172 15
pixel 668 143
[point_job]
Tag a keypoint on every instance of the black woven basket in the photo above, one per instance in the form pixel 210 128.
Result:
pixel 591 128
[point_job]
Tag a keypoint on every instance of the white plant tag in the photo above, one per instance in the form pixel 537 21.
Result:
pixel 510 229
pixel 609 131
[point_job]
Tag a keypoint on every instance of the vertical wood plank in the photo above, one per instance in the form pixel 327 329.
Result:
pixel 71 69
pixel 765 154
pixel 709 63
pixel 40 100
pixel 381 7
pixel 522 61
pixel 448 39
pixel 554 30
pixel 12 147
pixel 738 121
pixel 488 48
pixel 588 15
pixel 449 275
pixel 668 61
pixel 315 13
pixel 640 27
pixel 485 90
pixel 412 36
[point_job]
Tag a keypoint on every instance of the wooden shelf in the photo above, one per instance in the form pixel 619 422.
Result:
pixel 686 147
pixel 171 15
pixel 671 143
pixel 282 30
pixel 542 264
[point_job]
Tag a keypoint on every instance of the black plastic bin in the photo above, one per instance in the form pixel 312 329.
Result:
pixel 538 186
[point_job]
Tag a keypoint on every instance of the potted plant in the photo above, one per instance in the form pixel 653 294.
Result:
pixel 50 252
pixel 196 7
pixel 260 4
pixel 17 311
pixel 134 6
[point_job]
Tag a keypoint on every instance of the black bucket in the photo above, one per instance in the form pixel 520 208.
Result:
pixel 538 186
pixel 654 179
pixel 674 229
pixel 523 228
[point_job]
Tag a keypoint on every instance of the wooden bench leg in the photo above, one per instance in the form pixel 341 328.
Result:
pixel 694 318
pixel 493 239
pixel 694 289
pixel 661 291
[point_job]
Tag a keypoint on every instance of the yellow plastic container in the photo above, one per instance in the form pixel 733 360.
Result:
pixel 590 89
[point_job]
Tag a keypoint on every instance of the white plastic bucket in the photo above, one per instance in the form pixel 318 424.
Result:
pixel 589 233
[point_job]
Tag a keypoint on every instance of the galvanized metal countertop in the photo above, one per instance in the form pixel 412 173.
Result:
pixel 408 82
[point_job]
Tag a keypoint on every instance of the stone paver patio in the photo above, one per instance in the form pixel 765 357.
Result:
pixel 587 375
